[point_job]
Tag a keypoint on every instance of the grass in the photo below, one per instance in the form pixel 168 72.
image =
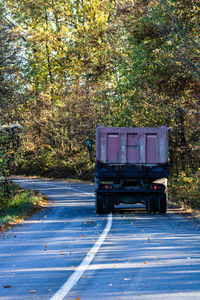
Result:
pixel 19 206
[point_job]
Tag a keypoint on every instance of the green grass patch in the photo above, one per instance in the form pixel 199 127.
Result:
pixel 20 205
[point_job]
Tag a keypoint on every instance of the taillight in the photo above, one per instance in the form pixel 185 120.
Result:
pixel 106 186
pixel 157 187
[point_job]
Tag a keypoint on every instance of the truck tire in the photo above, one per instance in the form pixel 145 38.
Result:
pixel 151 204
pixel 162 203
pixel 109 203
pixel 104 203
pixel 99 203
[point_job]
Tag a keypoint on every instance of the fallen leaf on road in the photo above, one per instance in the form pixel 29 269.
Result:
pixel 145 262
pixel 156 259
pixel 32 291
pixel 85 223
pixel 77 298
pixel 7 286
pixel 83 235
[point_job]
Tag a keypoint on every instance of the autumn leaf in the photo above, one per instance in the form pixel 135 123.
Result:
pixel 83 235
pixel 7 286
pixel 32 291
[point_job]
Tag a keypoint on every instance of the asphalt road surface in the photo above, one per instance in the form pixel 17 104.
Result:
pixel 68 252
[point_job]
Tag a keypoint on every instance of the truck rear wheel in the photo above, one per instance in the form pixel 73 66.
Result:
pixel 162 203
pixel 99 203
pixel 104 203
pixel 109 203
pixel 151 204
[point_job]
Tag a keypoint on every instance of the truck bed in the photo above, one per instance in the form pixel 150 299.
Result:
pixel 147 146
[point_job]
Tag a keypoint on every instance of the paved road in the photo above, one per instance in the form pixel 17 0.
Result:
pixel 142 257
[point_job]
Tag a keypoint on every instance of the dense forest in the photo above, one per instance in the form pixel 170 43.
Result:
pixel 66 66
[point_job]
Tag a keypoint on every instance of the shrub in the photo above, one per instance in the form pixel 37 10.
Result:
pixel 186 189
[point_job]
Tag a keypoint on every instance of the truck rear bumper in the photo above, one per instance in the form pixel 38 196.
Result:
pixel 130 191
pixel 131 171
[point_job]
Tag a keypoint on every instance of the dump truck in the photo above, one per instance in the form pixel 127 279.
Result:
pixel 131 167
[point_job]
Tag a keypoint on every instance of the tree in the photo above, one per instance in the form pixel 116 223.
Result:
pixel 10 69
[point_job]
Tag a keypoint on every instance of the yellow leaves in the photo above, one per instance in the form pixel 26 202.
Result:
pixel 32 291
pixel 169 43
pixel 7 286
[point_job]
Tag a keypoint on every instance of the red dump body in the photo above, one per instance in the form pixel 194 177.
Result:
pixel 140 146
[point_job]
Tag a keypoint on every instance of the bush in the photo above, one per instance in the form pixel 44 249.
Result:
pixel 186 189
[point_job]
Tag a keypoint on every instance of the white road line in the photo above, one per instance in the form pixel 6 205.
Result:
pixel 74 278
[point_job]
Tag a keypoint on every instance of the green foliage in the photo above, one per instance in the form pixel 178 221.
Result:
pixel 9 144
pixel 186 189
